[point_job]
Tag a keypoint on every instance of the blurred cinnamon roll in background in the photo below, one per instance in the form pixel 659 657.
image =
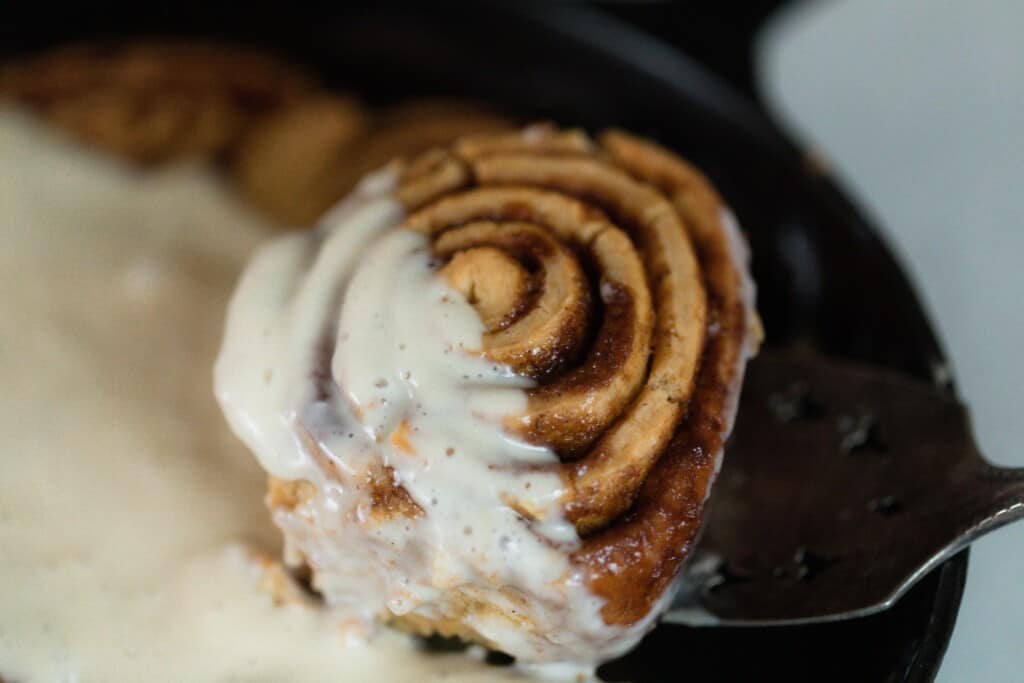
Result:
pixel 493 385
pixel 291 147
pixel 153 101
pixel 298 161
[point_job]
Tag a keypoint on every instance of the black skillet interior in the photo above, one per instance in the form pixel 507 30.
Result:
pixel 825 280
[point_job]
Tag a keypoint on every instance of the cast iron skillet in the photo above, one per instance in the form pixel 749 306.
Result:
pixel 825 280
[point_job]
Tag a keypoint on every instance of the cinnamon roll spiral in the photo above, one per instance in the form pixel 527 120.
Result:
pixel 613 275
pixel 609 289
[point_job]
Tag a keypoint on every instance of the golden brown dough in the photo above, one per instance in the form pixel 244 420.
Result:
pixel 153 101
pixel 291 163
pixel 300 160
pixel 625 295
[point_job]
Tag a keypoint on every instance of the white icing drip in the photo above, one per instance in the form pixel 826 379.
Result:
pixel 402 389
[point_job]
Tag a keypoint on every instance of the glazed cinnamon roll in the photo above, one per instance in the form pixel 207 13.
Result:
pixel 492 388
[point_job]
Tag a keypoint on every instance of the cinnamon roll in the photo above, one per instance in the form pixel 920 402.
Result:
pixel 299 160
pixel 492 388
pixel 153 101
pixel 291 148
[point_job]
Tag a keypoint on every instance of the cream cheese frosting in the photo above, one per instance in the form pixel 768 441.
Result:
pixel 347 354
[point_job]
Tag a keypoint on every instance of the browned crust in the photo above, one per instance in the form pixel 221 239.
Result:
pixel 287 163
pixel 632 562
pixel 388 499
pixel 298 161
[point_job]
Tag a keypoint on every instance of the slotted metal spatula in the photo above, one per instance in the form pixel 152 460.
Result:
pixel 843 485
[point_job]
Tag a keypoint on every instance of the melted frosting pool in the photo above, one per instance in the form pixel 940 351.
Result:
pixel 127 510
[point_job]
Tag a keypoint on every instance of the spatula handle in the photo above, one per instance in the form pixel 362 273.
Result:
pixel 998 499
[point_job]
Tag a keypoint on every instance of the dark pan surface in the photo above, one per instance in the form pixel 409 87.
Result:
pixel 825 280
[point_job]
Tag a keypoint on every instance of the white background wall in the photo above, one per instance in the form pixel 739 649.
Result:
pixel 919 105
